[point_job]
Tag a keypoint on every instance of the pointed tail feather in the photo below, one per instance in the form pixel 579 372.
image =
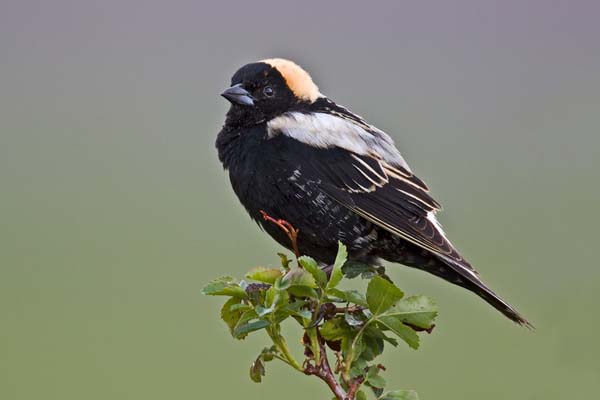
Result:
pixel 499 304
pixel 465 276
pixel 459 274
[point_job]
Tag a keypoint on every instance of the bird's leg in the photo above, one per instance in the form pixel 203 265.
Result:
pixel 287 228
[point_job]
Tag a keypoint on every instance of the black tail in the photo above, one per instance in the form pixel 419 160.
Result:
pixel 479 288
pixel 466 277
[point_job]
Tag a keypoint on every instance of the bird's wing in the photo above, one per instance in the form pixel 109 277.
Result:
pixel 359 166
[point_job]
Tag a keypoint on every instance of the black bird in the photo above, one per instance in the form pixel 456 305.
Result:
pixel 297 155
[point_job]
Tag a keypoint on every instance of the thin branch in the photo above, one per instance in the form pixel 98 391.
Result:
pixel 354 386
pixel 324 372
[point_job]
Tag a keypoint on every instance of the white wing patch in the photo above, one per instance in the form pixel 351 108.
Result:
pixel 325 131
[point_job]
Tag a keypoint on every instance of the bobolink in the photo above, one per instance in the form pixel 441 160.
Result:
pixel 298 156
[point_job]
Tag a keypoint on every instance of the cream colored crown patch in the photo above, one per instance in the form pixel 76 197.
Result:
pixel 297 79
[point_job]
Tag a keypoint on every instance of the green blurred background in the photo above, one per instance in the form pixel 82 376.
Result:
pixel 114 210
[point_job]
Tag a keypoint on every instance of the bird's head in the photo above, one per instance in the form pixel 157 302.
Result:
pixel 263 90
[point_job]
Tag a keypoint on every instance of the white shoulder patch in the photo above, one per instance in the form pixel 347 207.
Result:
pixel 325 131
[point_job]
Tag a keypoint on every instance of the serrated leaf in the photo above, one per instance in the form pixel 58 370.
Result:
pixel 243 330
pixel 352 269
pixel 400 395
pixel 262 311
pixel 404 332
pixel 359 366
pixel 266 275
pixel 381 295
pixel 313 268
pixel 373 347
pixel 374 379
pixel 239 307
pixel 297 277
pixel 231 313
pixel 276 299
pixel 335 329
pixel 247 323
pixel 349 296
pixel 353 346
pixel 257 369
pixel 224 286
pixel 297 308
pixel 419 311
pixel 303 291
pixel 336 272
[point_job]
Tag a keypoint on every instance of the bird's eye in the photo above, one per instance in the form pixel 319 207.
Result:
pixel 268 91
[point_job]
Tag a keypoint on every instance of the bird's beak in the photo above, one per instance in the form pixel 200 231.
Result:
pixel 238 95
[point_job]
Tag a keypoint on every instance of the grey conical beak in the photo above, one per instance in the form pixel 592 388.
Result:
pixel 238 95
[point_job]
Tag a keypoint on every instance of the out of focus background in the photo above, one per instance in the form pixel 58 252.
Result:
pixel 114 210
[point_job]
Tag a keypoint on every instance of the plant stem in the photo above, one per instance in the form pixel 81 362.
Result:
pixel 350 356
pixel 324 372
pixel 282 346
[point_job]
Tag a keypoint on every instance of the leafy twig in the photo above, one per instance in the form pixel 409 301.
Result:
pixel 356 332
pixel 324 372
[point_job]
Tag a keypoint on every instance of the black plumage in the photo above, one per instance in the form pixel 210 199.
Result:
pixel 296 155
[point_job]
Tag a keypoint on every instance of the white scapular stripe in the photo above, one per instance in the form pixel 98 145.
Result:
pixel 383 178
pixel 325 131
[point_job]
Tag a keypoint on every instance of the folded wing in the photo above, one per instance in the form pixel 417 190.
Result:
pixel 360 167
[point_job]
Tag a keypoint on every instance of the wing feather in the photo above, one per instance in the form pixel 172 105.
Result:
pixel 360 168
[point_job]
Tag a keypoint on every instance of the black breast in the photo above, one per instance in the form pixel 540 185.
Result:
pixel 274 175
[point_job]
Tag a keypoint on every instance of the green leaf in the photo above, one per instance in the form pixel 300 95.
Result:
pixel 419 311
pixel 381 295
pixel 297 308
pixel 404 332
pixel 262 311
pixel 312 266
pixel 231 312
pixel 359 367
pixel 376 331
pixel 239 307
pixel 349 296
pixel 400 395
pixel 285 262
pixel 247 323
pixel 336 272
pixel 303 291
pixel 297 277
pixel 266 275
pixel 277 299
pixel 373 347
pixel 355 319
pixel 243 330
pixel 224 286
pixel 360 395
pixel 257 369
pixel 352 269
pixel 374 379
pixel 335 329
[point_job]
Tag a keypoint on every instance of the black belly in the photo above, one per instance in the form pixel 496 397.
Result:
pixel 321 221
pixel 269 176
